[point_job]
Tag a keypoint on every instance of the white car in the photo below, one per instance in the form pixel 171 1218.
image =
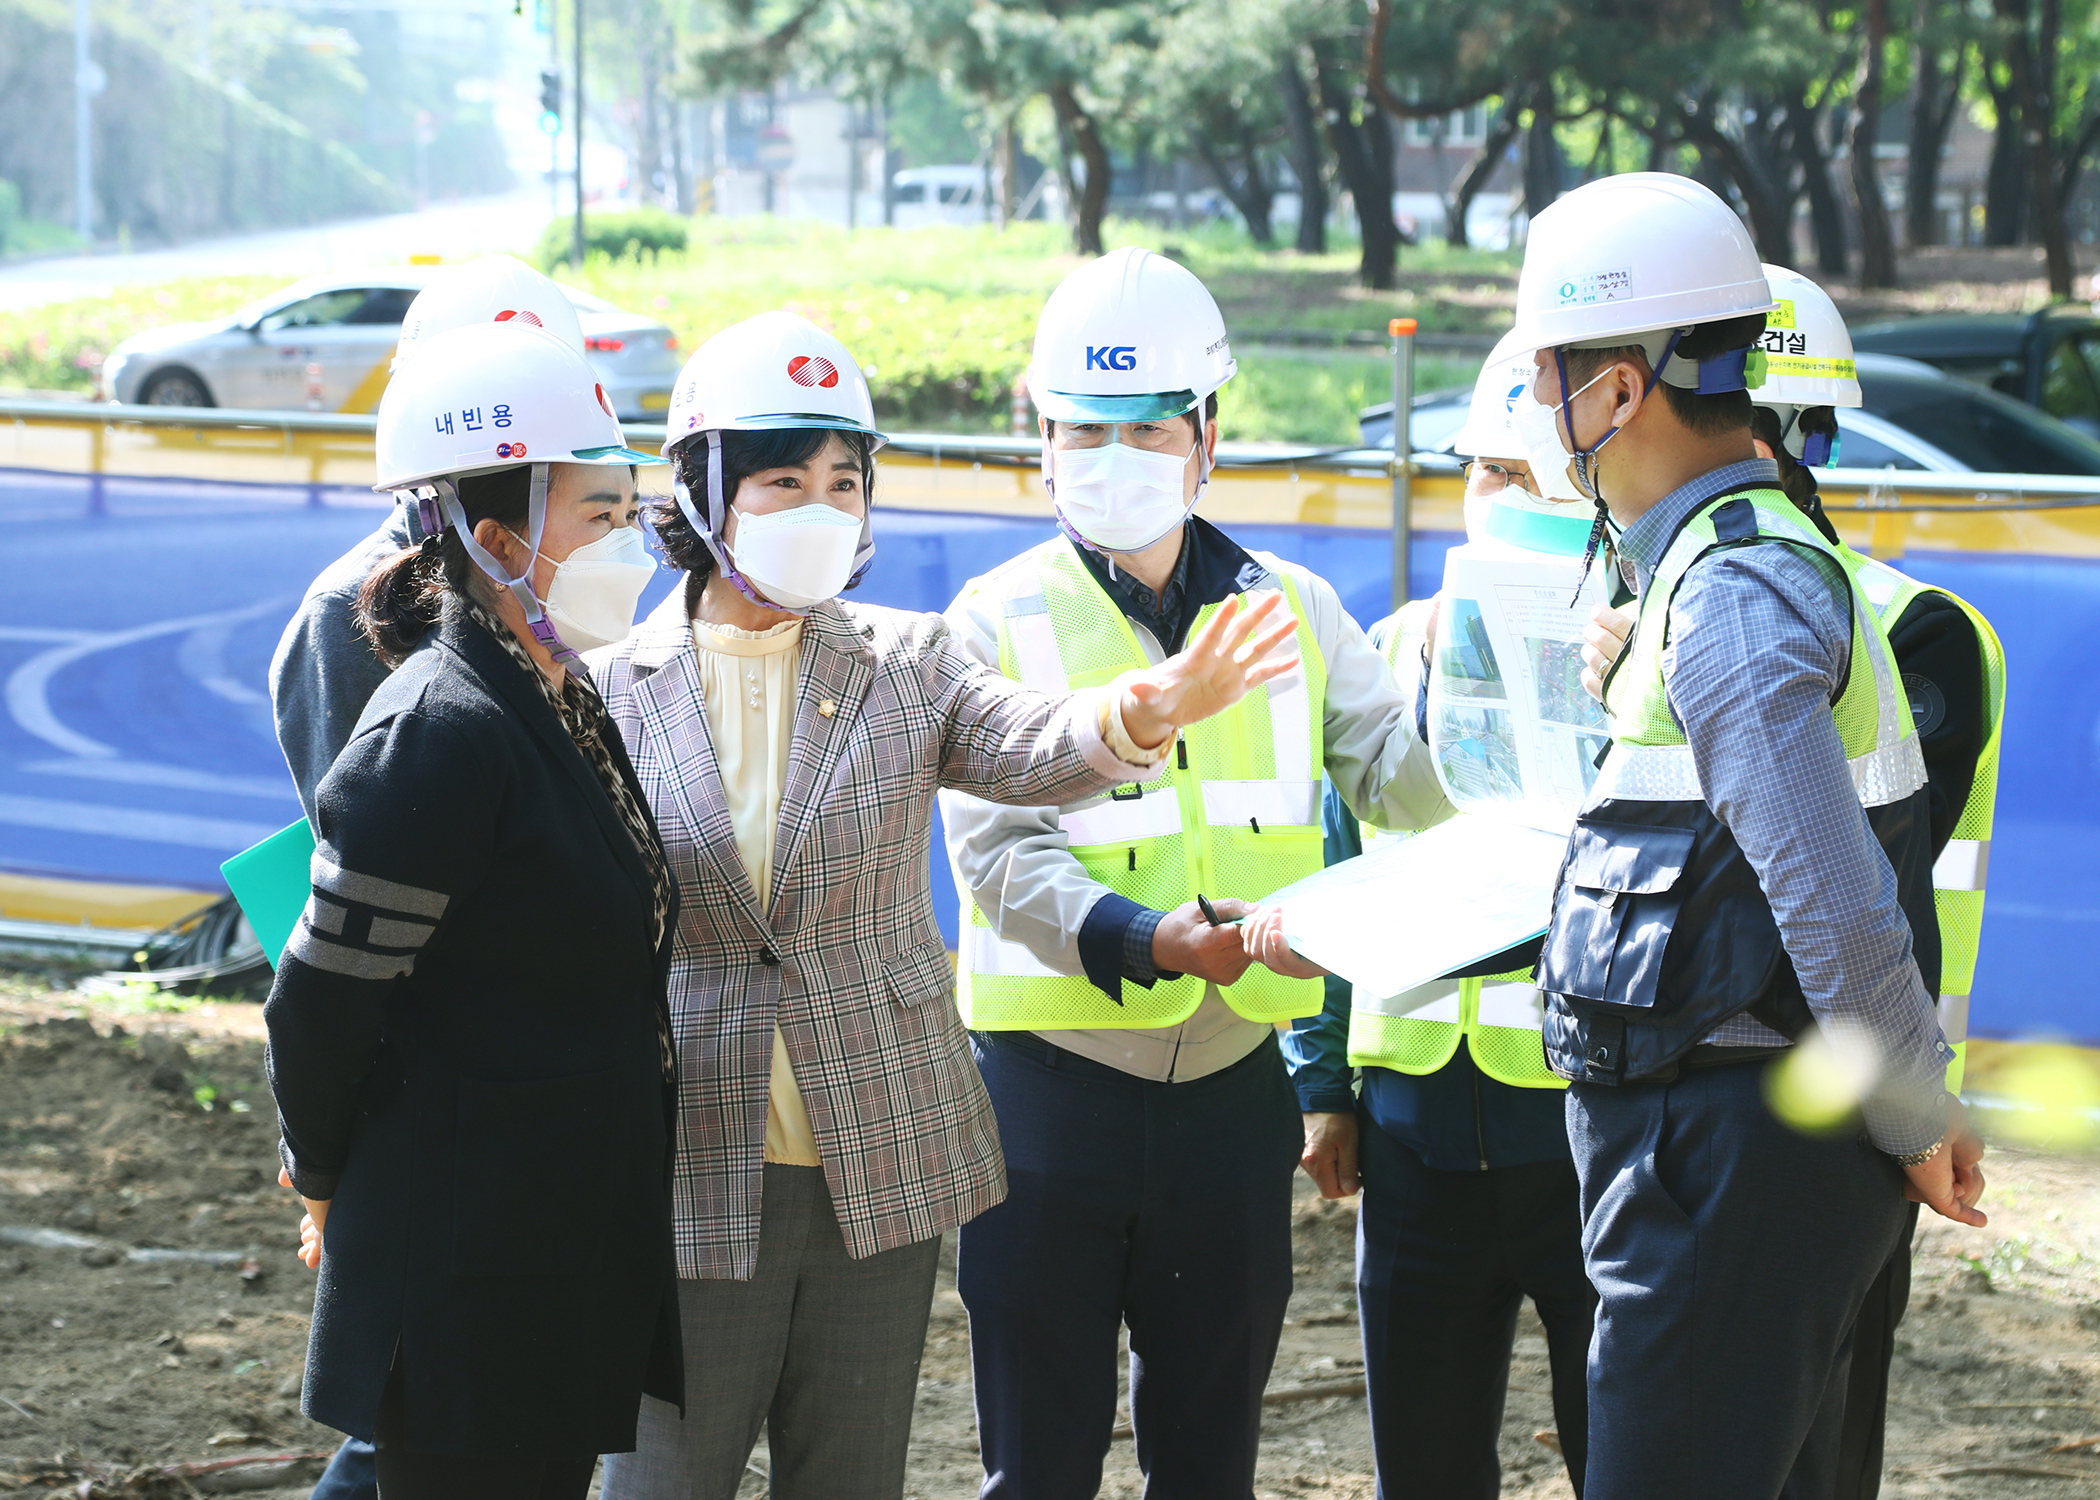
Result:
pixel 324 344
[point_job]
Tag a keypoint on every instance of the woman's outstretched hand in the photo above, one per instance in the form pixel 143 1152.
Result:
pixel 1223 662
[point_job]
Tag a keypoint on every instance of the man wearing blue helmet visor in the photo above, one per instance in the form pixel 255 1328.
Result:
pixel 1127 1043
pixel 1749 883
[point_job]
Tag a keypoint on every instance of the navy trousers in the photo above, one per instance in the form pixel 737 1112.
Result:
pixel 1730 1256
pixel 1873 1351
pixel 1444 1261
pixel 1164 1206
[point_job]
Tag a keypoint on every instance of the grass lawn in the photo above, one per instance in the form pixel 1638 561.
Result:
pixel 941 319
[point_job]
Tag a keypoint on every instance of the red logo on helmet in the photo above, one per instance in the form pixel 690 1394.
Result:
pixel 813 369
pixel 605 403
pixel 510 450
pixel 522 316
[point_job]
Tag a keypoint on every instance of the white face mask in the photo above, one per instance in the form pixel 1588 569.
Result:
pixel 1119 497
pixel 1538 428
pixel 798 557
pixel 596 588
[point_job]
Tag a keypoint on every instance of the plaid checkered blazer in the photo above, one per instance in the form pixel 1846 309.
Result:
pixel 848 958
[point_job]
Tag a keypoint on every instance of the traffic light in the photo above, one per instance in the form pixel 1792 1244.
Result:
pixel 550 100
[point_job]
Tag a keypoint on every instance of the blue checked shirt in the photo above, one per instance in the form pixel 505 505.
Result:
pixel 1761 638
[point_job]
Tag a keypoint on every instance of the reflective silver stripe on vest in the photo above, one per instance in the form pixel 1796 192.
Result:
pixel 1270 804
pixel 1434 1001
pixel 1647 773
pixel 1954 1018
pixel 1290 723
pixel 1962 865
pixel 1667 773
pixel 1155 815
pixel 1880 583
pixel 1034 641
pixel 984 952
pixel 1518 1006
pixel 1891 771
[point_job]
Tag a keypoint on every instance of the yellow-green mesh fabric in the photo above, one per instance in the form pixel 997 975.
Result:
pixel 1638 695
pixel 1096 644
pixel 1401 1043
pixel 1515 1055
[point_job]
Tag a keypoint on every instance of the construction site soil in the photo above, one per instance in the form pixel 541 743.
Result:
pixel 126 1128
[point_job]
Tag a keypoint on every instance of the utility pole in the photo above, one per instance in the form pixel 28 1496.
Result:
pixel 577 246
pixel 88 81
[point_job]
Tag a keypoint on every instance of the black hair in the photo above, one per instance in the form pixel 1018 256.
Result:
pixel 1796 477
pixel 1210 414
pixel 743 454
pixel 1707 416
pixel 402 597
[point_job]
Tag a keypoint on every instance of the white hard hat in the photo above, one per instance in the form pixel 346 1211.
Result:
pixel 488 396
pixel 1639 253
pixel 1808 349
pixel 493 289
pixel 1488 431
pixel 1131 337
pixel 777 370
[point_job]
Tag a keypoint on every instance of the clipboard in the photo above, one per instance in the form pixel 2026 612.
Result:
pixel 271 881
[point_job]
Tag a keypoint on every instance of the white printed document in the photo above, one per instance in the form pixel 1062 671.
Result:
pixel 1512 730
pixel 1410 911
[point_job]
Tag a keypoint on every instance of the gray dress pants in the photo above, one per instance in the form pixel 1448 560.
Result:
pixel 821 1349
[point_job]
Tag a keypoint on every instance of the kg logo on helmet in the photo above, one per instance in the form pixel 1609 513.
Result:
pixel 1111 356
pixel 813 369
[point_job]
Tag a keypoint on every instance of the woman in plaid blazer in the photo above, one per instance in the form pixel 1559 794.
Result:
pixel 832 1122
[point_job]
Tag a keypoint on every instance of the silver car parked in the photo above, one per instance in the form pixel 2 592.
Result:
pixel 325 344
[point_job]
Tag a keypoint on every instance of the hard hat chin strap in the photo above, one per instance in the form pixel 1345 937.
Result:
pixel 717 521
pixel 1587 475
pixel 521 586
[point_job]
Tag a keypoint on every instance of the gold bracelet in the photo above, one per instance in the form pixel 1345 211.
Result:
pixel 1919 1158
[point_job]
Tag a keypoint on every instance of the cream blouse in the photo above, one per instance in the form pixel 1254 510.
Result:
pixel 747 689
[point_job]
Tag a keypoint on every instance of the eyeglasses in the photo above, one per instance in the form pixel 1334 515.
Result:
pixel 1494 477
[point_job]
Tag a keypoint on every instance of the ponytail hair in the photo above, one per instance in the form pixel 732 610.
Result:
pixel 403 597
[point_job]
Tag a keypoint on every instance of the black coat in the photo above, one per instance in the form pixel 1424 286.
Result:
pixel 464 1049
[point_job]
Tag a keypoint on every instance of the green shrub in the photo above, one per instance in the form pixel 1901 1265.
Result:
pixel 10 214
pixel 941 320
pixel 639 234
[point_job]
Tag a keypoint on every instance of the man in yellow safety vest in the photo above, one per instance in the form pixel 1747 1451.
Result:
pixel 1953 675
pixel 1128 1046
pixel 1457 1140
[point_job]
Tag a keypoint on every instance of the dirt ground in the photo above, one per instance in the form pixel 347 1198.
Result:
pixel 141 1128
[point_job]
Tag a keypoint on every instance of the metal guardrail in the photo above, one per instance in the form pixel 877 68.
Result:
pixel 309 434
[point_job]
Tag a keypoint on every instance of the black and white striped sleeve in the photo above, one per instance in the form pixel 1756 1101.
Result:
pixel 363 926
pixel 406 828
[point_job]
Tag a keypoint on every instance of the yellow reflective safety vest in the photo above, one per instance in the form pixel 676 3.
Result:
pixel 1958 874
pixel 1664 867
pixel 1499 1018
pixel 1234 811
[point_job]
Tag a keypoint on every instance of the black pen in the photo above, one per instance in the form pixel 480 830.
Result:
pixel 1210 913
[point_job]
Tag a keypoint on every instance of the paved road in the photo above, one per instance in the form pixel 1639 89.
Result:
pixel 510 223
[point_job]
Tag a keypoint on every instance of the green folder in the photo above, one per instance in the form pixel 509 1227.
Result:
pixel 271 881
